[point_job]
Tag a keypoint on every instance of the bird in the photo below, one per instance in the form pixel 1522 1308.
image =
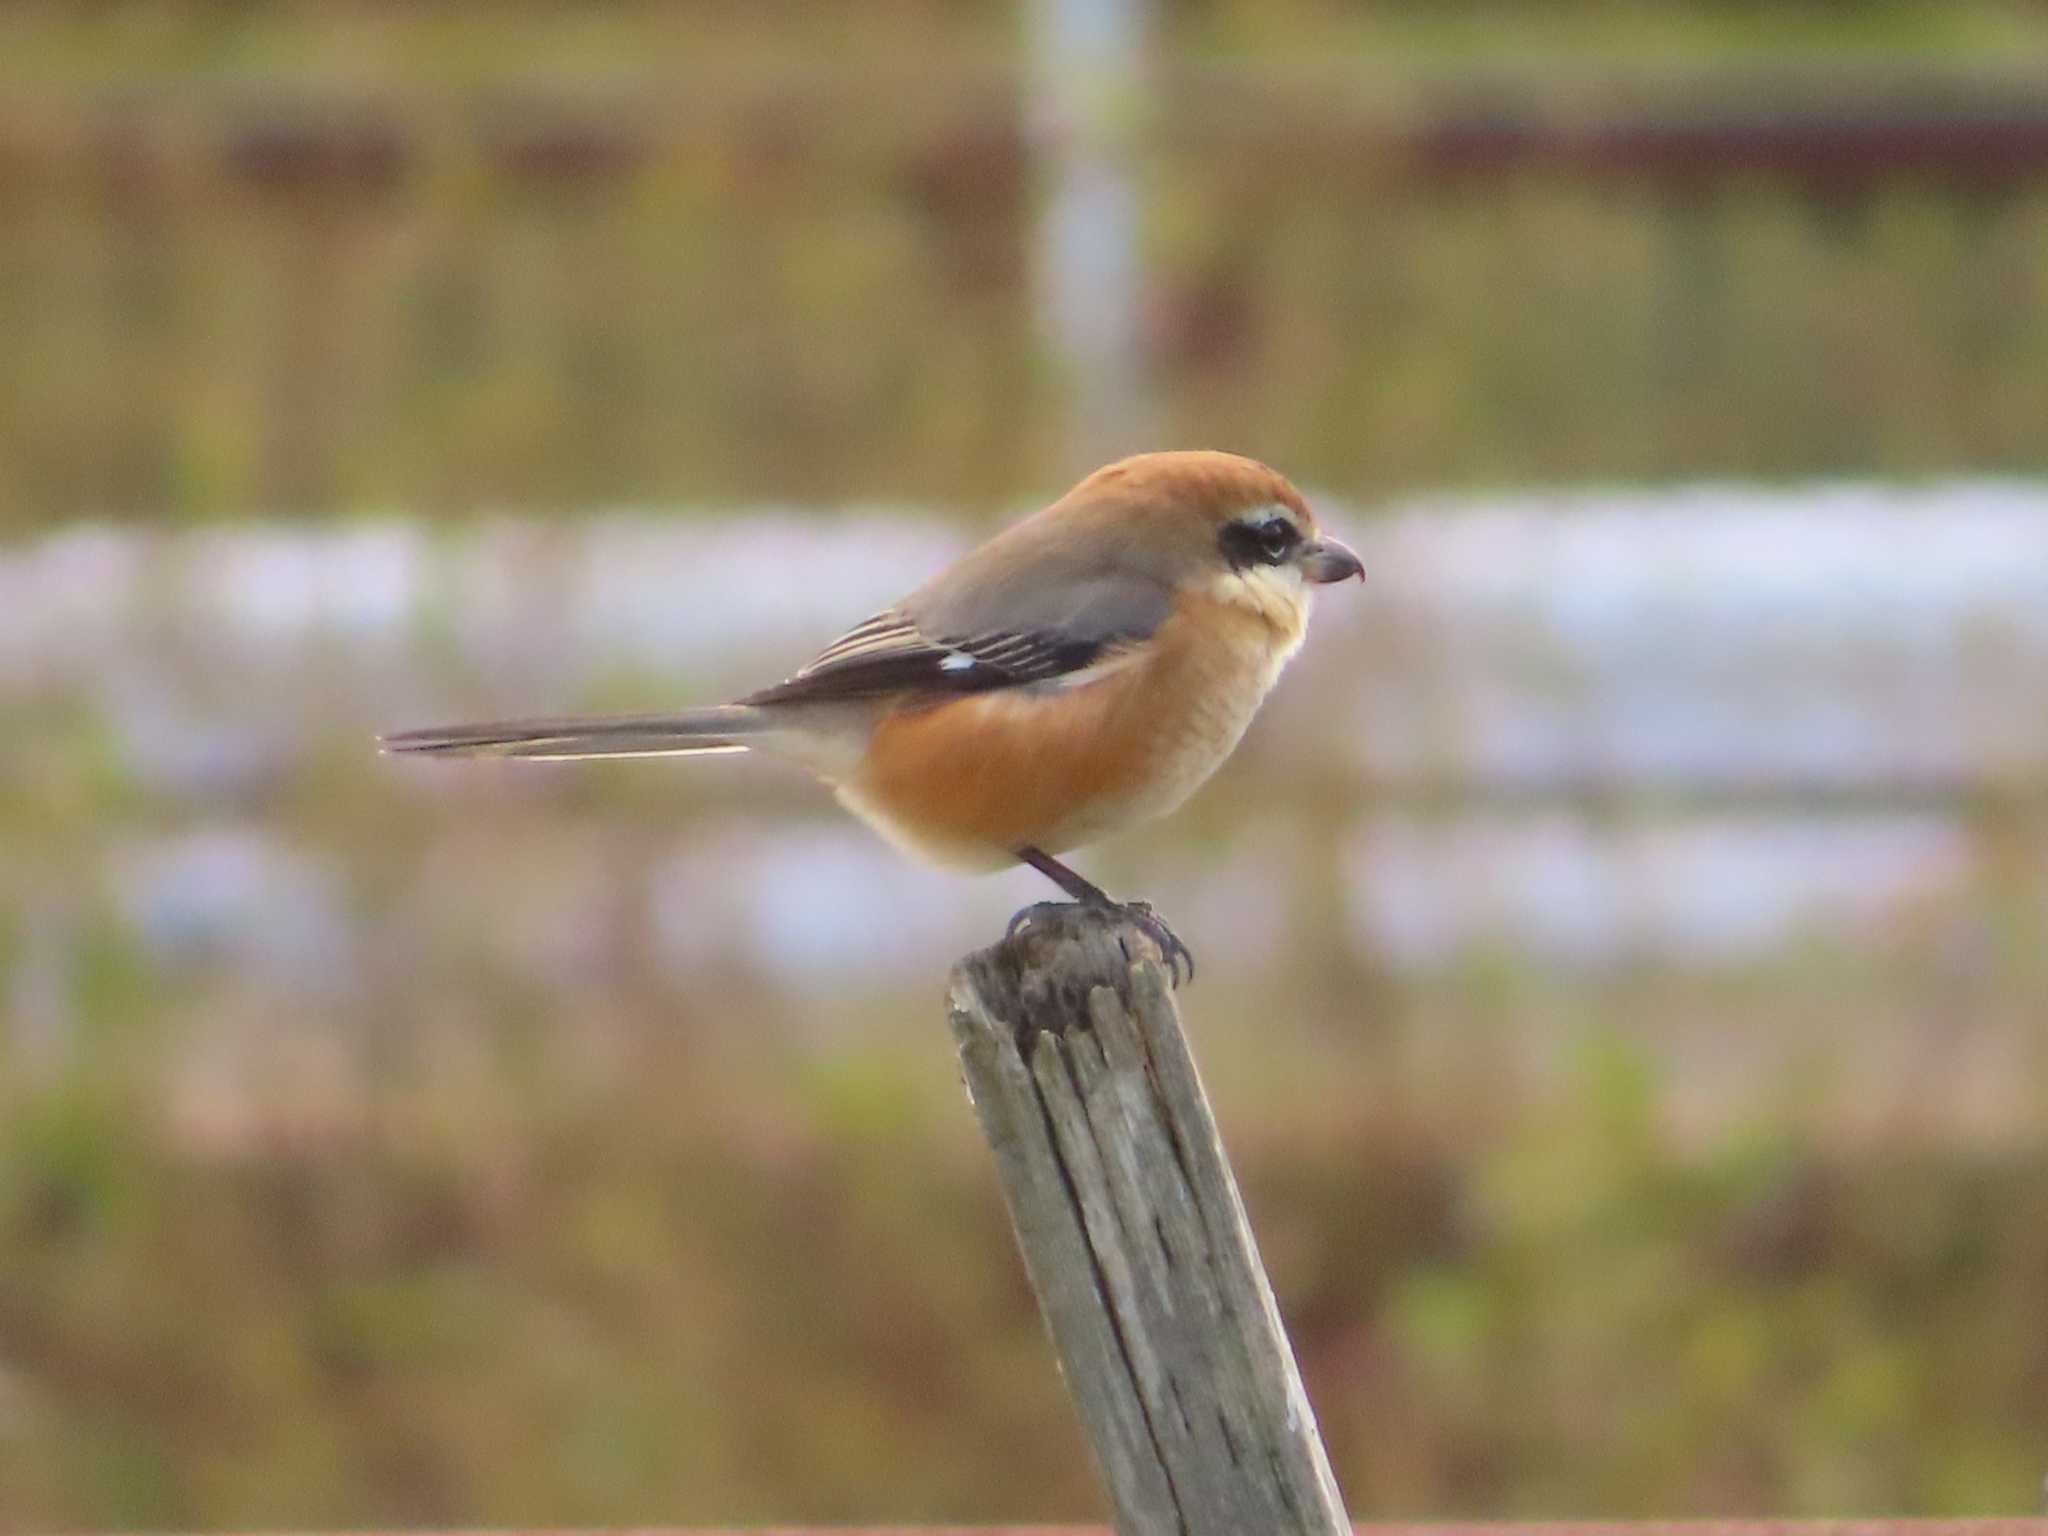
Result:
pixel 1084 670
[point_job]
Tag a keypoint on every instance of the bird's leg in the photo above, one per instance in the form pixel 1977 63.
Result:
pixel 1090 894
pixel 1066 879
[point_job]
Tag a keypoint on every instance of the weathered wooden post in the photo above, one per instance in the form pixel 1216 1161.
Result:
pixel 1134 1234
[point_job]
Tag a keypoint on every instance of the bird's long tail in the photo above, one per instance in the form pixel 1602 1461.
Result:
pixel 721 728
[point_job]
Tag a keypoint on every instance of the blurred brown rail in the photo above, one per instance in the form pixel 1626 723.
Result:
pixel 316 298
pixel 966 137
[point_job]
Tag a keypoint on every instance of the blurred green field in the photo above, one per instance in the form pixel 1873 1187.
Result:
pixel 61 45
pixel 669 1258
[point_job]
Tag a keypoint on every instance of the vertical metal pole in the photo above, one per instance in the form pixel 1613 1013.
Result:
pixel 1087 101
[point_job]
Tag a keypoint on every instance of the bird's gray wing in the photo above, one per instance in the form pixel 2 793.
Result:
pixel 1023 624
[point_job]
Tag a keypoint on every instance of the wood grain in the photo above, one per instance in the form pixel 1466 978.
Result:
pixel 1134 1235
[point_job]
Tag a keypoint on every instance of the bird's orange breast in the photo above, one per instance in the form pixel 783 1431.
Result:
pixel 970 781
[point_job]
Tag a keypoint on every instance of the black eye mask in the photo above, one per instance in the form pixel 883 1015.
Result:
pixel 1269 541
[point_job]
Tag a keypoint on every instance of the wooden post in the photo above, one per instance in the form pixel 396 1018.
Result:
pixel 1134 1235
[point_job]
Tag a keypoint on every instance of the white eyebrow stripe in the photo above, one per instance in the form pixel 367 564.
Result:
pixel 1270 515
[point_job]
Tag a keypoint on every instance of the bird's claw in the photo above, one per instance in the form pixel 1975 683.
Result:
pixel 1171 949
pixel 1021 919
pixel 1175 953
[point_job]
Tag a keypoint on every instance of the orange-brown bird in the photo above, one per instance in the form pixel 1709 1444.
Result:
pixel 1084 669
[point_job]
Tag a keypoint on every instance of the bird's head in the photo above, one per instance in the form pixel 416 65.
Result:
pixel 1225 522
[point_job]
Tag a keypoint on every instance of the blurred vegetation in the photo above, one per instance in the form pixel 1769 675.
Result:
pixel 652 1262
pixel 61 44
pixel 466 1239
pixel 501 1216
pixel 317 257
pixel 452 1247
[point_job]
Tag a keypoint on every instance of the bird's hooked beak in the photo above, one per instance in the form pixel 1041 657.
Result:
pixel 1325 560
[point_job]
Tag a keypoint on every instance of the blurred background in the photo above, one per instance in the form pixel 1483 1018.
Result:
pixel 1624 938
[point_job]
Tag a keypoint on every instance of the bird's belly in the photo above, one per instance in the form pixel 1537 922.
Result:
pixel 1181 748
pixel 969 782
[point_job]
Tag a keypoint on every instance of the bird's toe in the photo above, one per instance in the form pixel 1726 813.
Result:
pixel 1178 957
pixel 1171 949
pixel 1025 916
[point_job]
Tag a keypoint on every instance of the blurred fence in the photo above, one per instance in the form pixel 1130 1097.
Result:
pixel 757 283
pixel 1601 729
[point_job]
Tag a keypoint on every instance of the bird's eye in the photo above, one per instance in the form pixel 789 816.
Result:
pixel 1266 542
